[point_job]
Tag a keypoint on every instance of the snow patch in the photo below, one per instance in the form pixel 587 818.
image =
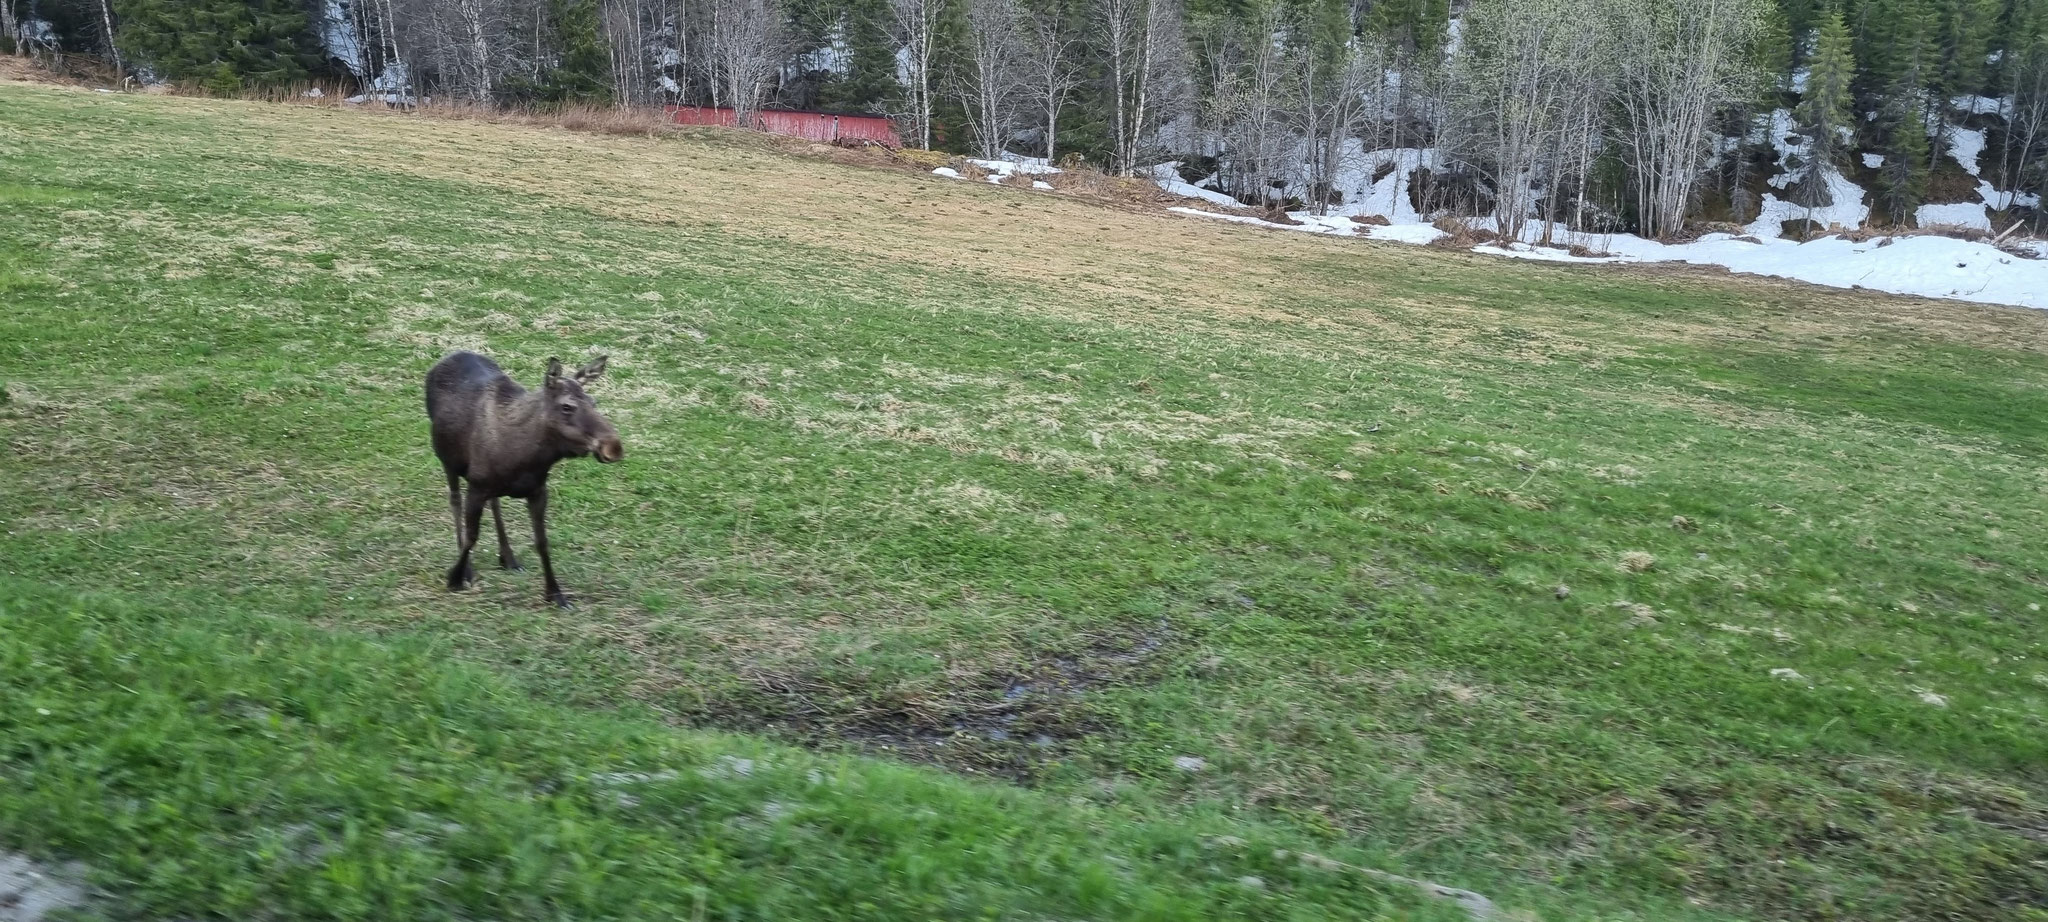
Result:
pixel 1965 144
pixel 1928 266
pixel 338 35
pixel 1960 214
pixel 1978 105
pixel 1873 161
pixel 1167 175
pixel 1848 208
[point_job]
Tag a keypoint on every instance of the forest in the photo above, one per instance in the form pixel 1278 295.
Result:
pixel 1651 116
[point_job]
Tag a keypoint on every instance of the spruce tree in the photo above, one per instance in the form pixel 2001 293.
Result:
pixel 1902 178
pixel 870 78
pixel 584 70
pixel 1774 51
pixel 222 43
pixel 1824 110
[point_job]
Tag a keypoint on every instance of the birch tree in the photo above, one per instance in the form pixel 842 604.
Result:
pixel 917 32
pixel 1686 62
pixel 1247 105
pixel 746 47
pixel 1330 92
pixel 1049 65
pixel 1144 47
pixel 987 82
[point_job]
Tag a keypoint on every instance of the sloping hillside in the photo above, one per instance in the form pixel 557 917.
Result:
pixel 979 553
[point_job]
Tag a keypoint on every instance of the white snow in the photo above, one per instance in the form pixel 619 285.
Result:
pixel 1011 163
pixel 1873 161
pixel 1929 266
pixel 1960 214
pixel 1964 145
pixel 1979 105
pixel 1799 79
pixel 1167 175
pixel 1848 208
pixel 835 57
pixel 668 85
pixel 338 34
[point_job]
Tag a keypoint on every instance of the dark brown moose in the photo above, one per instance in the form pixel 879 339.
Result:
pixel 504 439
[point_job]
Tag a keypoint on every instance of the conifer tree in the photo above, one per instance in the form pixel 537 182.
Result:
pixel 584 70
pixel 1824 111
pixel 1902 178
pixel 223 43
pixel 870 78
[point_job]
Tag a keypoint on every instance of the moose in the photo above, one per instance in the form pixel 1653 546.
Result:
pixel 504 439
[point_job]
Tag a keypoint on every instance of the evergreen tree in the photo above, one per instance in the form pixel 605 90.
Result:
pixel 1902 178
pixel 1415 28
pixel 1964 38
pixel 1775 52
pixel 1824 111
pixel 221 42
pixel 584 71
pixel 870 78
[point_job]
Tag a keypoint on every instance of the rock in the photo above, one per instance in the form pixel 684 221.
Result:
pixel 1250 882
pixel 1563 591
pixel 29 892
pixel 1189 763
pixel 1789 675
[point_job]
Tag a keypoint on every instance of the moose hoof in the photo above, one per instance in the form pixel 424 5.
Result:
pixel 461 578
pixel 510 563
pixel 560 600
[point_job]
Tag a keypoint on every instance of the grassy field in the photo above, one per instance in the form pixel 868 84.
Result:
pixel 957 523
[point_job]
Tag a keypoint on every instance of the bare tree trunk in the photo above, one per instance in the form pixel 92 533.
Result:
pixel 988 85
pixel 107 22
pixel 917 28
pixel 1050 71
pixel 10 27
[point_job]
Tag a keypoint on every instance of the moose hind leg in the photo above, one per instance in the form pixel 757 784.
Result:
pixel 462 574
pixel 537 508
pixel 455 510
pixel 505 558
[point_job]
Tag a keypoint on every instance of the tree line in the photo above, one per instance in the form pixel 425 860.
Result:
pixel 1644 115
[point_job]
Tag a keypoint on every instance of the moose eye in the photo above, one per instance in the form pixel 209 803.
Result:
pixel 568 408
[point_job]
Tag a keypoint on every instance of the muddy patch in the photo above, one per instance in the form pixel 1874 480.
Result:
pixel 1007 723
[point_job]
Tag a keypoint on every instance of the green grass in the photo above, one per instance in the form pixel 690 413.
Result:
pixel 1037 525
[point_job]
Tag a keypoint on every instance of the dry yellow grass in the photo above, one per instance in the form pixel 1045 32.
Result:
pixel 1099 243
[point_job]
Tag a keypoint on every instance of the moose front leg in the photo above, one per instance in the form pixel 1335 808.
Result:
pixel 462 574
pixel 537 508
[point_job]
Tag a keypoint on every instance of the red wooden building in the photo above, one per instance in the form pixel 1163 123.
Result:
pixel 816 126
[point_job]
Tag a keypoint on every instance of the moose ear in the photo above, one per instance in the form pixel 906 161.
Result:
pixel 591 371
pixel 554 371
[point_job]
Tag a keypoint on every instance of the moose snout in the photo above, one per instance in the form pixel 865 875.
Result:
pixel 609 450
